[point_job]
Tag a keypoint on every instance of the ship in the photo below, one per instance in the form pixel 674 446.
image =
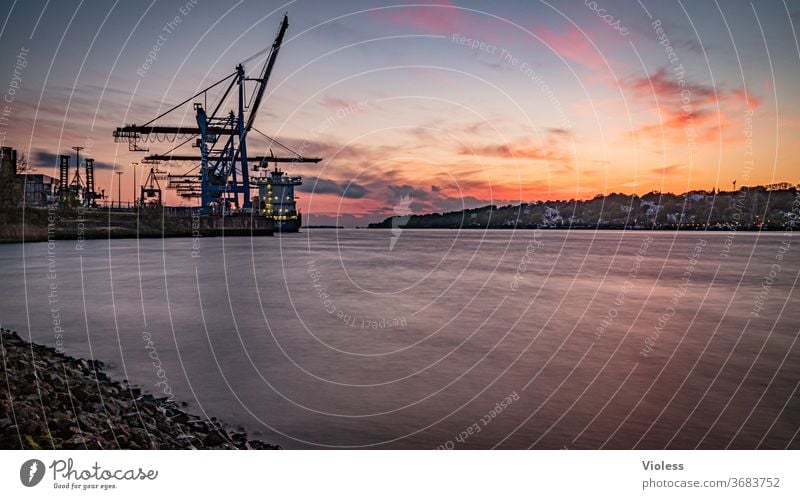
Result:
pixel 276 200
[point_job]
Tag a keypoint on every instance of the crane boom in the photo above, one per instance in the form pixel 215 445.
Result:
pixel 254 159
pixel 262 82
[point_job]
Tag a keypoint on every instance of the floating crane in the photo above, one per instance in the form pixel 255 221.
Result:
pixel 224 178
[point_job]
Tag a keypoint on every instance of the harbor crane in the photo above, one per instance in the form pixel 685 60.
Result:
pixel 223 180
pixel 150 190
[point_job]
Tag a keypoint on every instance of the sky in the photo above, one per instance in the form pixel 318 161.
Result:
pixel 432 107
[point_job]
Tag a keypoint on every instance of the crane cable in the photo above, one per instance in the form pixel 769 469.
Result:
pixel 190 98
pixel 272 140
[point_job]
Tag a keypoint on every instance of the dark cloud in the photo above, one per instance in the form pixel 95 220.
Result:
pixel 353 190
pixel 44 159
pixel 319 185
pixel 497 66
pixel 447 204
pixel 98 89
pixel 692 46
pixel 435 201
pixel 562 132
pixel 407 190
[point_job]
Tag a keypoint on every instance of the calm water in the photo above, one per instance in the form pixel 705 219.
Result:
pixel 329 338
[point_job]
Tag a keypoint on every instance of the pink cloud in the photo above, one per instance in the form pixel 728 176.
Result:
pixel 337 102
pixel 748 99
pixel 691 111
pixel 573 45
pixel 439 18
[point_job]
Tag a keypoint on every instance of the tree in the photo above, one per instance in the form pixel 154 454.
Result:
pixel 23 166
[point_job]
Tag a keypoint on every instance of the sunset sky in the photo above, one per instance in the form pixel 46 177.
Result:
pixel 559 102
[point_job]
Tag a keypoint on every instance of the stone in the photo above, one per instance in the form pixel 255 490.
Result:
pixel 214 438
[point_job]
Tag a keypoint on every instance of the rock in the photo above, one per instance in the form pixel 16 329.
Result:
pixel 165 425
pixel 83 364
pixel 84 420
pixel 187 440
pixel 80 394
pixel 75 442
pixel 141 437
pixel 214 438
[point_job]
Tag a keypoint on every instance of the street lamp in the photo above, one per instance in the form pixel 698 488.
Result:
pixel 119 189
pixel 135 164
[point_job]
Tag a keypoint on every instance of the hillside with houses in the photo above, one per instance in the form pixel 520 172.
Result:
pixel 771 207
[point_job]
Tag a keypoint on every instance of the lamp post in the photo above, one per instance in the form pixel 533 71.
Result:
pixel 135 164
pixel 78 150
pixel 77 178
pixel 119 189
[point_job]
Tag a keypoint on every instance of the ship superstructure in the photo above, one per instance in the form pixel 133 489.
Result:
pixel 276 199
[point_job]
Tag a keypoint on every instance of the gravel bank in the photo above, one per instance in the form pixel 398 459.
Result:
pixel 52 401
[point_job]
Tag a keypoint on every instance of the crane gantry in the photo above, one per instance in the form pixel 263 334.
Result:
pixel 224 163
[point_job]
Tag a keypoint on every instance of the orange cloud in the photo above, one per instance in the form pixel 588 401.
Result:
pixel 553 150
pixel 504 151
pixel 669 169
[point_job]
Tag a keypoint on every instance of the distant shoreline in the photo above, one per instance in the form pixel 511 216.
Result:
pixel 567 229
pixel 774 207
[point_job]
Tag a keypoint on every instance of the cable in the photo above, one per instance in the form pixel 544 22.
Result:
pixel 190 98
pixel 276 142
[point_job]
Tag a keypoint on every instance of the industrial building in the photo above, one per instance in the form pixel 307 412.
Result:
pixel 40 190
pixel 30 189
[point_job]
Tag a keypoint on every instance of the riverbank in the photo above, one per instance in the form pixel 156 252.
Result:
pixel 78 224
pixel 773 207
pixel 49 400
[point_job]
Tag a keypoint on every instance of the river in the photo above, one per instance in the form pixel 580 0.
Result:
pixel 439 338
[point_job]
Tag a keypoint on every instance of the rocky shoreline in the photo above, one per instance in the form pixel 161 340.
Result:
pixel 49 400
